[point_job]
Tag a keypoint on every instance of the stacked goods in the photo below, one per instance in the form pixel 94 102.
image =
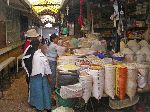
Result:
pixel 143 72
pixel 146 35
pixel 133 45
pixel 121 78
pixel 75 91
pixel 98 82
pixel 143 43
pixel 131 85
pixel 68 67
pixel 146 51
pixel 86 81
pixel 129 55
pixel 140 57
pixel 110 80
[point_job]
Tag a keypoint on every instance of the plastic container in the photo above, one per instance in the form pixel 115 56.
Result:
pixel 65 102
pixel 119 58
pixel 100 55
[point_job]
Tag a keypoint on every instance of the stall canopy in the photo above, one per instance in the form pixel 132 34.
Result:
pixel 50 6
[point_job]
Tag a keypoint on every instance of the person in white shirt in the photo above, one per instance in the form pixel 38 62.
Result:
pixel 40 81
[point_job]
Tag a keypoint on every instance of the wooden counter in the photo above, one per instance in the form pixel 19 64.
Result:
pixel 12 50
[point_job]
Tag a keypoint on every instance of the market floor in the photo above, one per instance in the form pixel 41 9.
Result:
pixel 15 97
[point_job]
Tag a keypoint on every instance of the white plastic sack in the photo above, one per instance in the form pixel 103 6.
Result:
pixel 63 109
pixel 71 91
pixel 143 72
pixel 86 82
pixel 98 83
pixel 131 85
pixel 110 80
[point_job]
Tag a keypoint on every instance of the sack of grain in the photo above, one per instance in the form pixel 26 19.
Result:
pixel 143 43
pixel 129 55
pixel 86 82
pixel 131 86
pixel 143 72
pixel 98 83
pixel 63 109
pixel 71 91
pixel 121 78
pixel 110 80
pixel 140 57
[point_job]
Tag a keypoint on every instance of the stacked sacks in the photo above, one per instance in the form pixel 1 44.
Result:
pixel 110 80
pixel 146 51
pixel 133 45
pixel 129 55
pixel 140 57
pixel 131 85
pixel 143 43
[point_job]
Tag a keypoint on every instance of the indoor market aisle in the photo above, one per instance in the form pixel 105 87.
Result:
pixel 15 98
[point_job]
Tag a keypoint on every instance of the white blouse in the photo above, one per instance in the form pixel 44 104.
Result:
pixel 40 64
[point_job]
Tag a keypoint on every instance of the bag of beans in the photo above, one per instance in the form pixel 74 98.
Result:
pixel 121 78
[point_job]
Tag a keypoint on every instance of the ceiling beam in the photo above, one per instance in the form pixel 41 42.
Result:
pixel 45 4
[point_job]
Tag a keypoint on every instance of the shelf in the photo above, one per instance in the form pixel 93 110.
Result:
pixel 137 28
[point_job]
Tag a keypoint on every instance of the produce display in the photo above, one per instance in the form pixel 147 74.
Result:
pixel 118 75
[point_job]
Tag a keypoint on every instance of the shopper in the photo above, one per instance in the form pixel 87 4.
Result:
pixel 40 80
pixel 54 50
pixel 28 53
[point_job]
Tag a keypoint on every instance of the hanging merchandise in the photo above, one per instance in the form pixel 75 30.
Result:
pixel 115 16
pixel 143 72
pixel 98 83
pixel 131 86
pixel 121 78
pixel 110 80
pixel 80 19
pixel 86 82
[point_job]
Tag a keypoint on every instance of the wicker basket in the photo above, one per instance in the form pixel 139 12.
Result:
pixel 119 104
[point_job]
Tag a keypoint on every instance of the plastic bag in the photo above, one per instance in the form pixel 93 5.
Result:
pixel 71 91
